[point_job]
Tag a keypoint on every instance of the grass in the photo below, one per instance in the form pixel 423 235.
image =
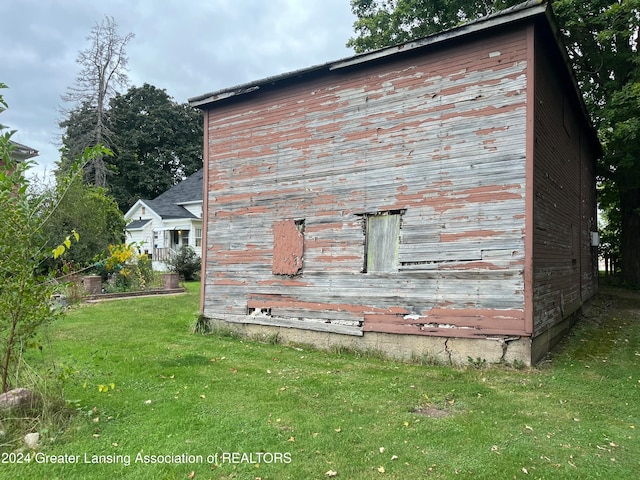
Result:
pixel 142 383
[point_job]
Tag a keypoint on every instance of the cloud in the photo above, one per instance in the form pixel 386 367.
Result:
pixel 188 48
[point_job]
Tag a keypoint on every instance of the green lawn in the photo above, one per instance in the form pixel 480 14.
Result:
pixel 161 402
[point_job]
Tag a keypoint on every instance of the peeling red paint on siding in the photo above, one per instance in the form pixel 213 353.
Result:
pixel 319 307
pixel 449 322
pixel 279 282
pixel 409 135
pixel 476 266
pixel 492 130
pixel 244 257
pixel 453 237
pixel 229 282
pixel 288 248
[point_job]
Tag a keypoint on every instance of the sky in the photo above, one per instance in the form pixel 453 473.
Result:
pixel 187 47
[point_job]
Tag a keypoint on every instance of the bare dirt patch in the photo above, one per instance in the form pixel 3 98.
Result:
pixel 431 411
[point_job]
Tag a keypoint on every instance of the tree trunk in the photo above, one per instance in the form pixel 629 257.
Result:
pixel 630 242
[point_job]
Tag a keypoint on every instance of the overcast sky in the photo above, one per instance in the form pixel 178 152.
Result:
pixel 187 47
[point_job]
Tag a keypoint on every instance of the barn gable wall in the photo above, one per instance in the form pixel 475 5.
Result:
pixel 437 140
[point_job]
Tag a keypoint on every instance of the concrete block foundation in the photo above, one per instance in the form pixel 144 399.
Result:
pixel 431 349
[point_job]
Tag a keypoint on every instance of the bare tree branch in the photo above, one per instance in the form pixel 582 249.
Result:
pixel 103 69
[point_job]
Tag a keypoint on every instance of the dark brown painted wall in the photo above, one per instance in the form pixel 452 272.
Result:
pixel 565 263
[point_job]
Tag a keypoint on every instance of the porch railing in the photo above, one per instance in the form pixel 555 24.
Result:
pixel 163 254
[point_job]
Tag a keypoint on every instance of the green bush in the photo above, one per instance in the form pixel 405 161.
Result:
pixel 186 263
pixel 124 269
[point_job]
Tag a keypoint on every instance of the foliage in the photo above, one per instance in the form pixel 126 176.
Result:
pixel 186 263
pixel 382 24
pixel 124 268
pixel 103 67
pixel 93 214
pixel 25 292
pixel 602 40
pixel 157 143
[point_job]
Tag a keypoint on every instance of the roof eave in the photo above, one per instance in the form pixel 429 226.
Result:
pixel 519 12
pixel 478 25
pixel 22 152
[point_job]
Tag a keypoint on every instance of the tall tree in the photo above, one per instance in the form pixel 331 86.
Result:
pixel 103 68
pixel 157 143
pixel 602 41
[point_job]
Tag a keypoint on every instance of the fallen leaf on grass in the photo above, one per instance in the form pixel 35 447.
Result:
pixel 191 475
pixel 331 473
pixel 381 469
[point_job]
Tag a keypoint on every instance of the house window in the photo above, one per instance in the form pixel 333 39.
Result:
pixel 185 237
pixel 144 210
pixel 198 237
pixel 288 247
pixel 382 238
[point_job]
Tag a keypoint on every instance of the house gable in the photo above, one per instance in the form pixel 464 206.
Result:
pixel 141 210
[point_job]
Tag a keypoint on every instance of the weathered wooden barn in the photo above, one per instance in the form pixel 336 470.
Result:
pixel 435 198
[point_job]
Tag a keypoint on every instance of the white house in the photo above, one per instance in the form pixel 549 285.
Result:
pixel 163 225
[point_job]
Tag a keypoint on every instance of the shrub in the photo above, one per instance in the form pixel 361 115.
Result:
pixel 186 263
pixel 124 269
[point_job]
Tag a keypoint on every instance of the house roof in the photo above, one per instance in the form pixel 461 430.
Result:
pixel 22 152
pixel 168 205
pixel 137 224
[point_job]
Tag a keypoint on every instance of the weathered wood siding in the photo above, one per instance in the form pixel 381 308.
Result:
pixel 565 263
pixel 439 138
